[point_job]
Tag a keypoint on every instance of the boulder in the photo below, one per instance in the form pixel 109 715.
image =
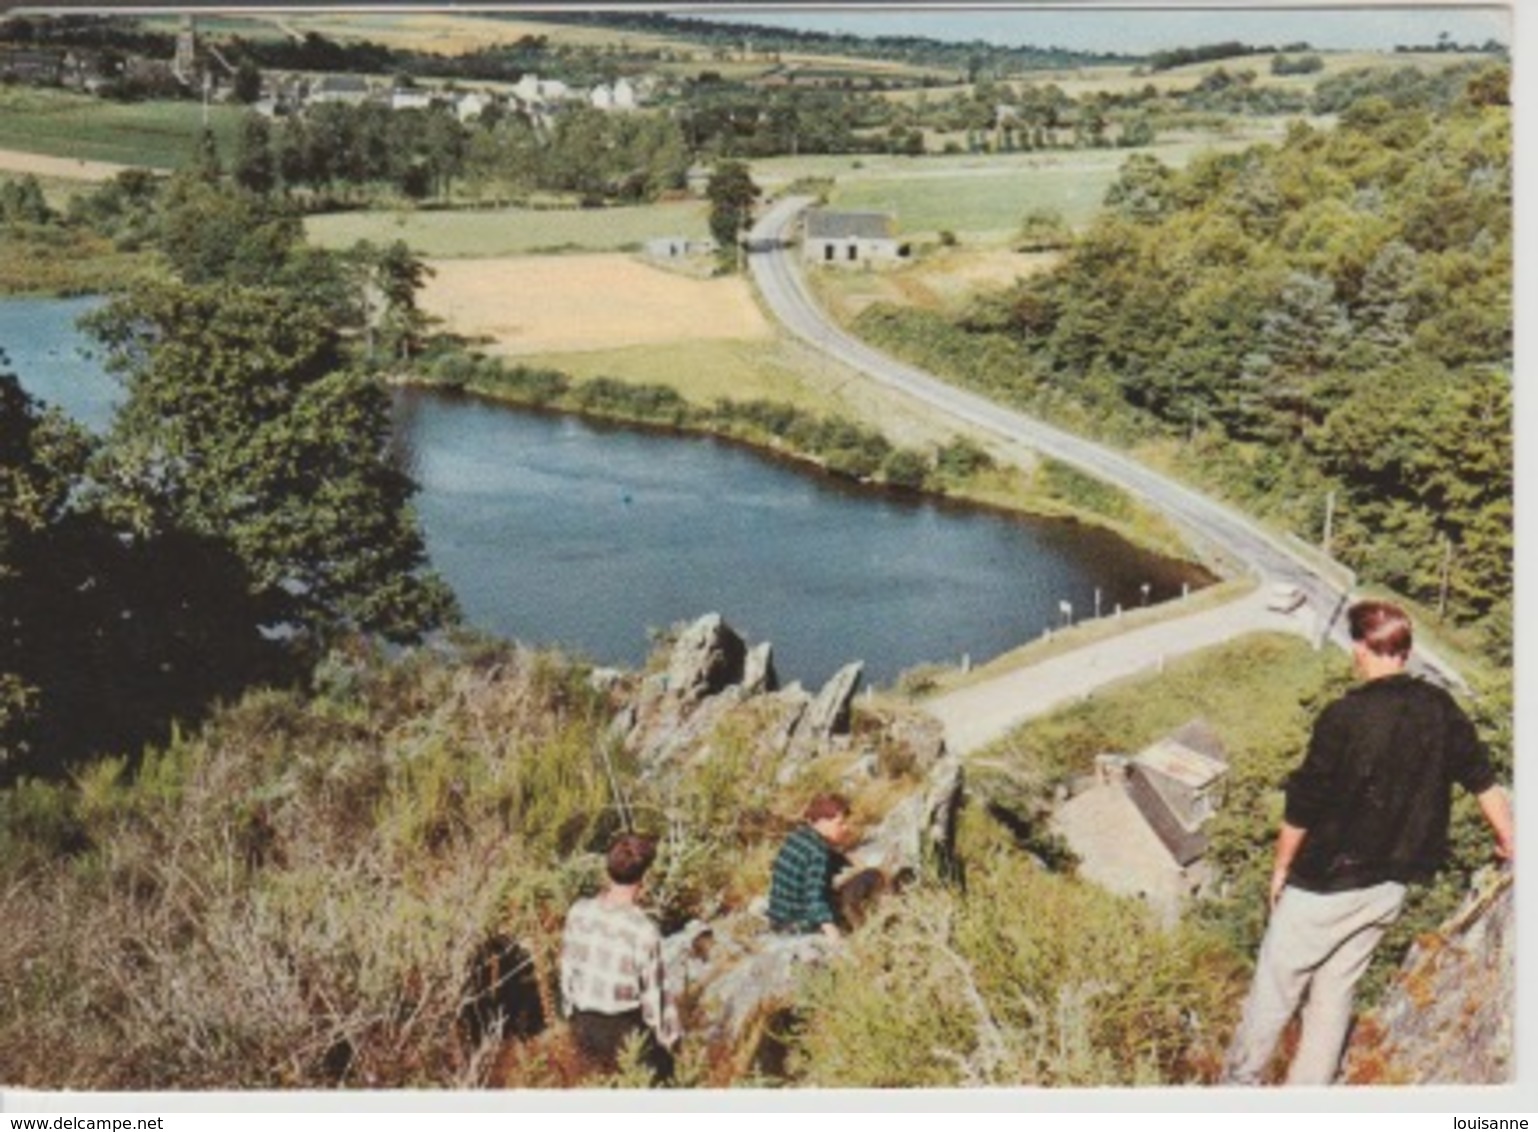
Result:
pixel 706 659
pixel 828 714
pixel 758 674
pixel 921 824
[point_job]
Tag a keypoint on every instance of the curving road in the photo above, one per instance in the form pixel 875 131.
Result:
pixel 1221 529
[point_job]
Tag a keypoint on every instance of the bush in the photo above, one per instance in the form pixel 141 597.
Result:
pixel 906 468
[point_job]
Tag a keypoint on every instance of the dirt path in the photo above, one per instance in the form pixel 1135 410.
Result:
pixel 977 715
pixel 65 168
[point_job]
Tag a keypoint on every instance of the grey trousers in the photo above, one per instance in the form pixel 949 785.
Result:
pixel 1316 945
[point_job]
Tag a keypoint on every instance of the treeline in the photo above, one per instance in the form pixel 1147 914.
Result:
pixel 120 34
pixel 975 58
pixel 1330 317
pixel 1208 53
pixel 335 153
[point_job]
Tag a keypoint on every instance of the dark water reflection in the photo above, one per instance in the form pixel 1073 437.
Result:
pixel 557 531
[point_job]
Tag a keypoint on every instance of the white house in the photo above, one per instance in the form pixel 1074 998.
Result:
pixel 410 98
pixel 619 96
pixel 471 105
pixel 534 91
pixel 849 238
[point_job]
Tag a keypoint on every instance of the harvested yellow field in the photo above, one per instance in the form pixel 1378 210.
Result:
pixel 62 168
pixel 560 304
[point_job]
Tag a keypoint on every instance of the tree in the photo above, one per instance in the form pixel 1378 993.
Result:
pixel 242 424
pixel 1043 230
pixel 209 232
pixel 108 635
pixel 254 166
pixel 393 275
pixel 247 83
pixel 731 193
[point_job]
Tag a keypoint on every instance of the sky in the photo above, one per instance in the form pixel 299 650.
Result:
pixel 1143 28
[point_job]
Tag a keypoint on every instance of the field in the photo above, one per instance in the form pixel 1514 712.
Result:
pixel 512 231
pixel 159 135
pixel 987 195
pixel 940 279
pixel 540 304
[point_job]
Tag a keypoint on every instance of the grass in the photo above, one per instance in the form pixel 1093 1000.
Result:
pixel 158 135
pixel 703 371
pixel 1249 691
pixel 511 231
pixel 1085 633
pixel 990 193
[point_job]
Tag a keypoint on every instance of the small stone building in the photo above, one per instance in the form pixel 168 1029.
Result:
pixel 680 247
pixel 850 238
pixel 1177 784
pixel 1136 824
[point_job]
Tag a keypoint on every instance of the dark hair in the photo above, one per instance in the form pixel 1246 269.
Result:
pixel 1382 626
pixel 826 806
pixel 629 858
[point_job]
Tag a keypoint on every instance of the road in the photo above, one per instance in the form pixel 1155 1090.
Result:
pixel 1230 536
pixel 977 714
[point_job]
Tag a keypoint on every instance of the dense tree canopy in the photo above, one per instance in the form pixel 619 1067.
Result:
pixel 1333 314
pixel 242 513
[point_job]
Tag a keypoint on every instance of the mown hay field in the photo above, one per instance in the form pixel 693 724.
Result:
pixel 157 135
pixel 543 304
pixel 511 231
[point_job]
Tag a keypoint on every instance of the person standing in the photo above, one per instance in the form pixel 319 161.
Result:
pixel 1366 814
pixel 801 884
pixel 612 983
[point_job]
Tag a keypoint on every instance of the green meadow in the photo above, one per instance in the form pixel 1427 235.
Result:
pixel 511 231
pixel 158 135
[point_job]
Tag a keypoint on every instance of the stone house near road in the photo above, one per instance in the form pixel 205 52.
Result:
pixel 1137 824
pixel 850 239
pixel 1177 784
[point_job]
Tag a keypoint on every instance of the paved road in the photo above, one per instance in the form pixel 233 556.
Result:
pixel 976 715
pixel 1220 529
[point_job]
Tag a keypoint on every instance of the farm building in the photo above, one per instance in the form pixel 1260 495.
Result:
pixel 352 90
pixel 1137 824
pixel 850 238
pixel 680 247
pixel 1177 784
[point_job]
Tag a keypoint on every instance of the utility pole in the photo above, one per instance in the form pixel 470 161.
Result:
pixel 1329 521
pixel 1447 570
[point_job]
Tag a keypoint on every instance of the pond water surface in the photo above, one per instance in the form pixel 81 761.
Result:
pixel 553 530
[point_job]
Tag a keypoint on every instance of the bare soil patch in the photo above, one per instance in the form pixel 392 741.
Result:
pixel 66 168
pixel 557 304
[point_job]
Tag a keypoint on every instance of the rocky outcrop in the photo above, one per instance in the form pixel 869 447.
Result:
pixel 1447 1019
pixel 733 973
pixel 828 714
pixel 707 657
pixel 758 674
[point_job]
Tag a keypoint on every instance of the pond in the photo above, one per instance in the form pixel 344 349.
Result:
pixel 557 531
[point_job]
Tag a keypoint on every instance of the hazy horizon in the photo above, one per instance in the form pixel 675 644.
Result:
pixel 1145 29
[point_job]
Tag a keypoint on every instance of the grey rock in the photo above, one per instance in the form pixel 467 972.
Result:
pixel 758 674
pixel 761 977
pixel 1448 1017
pixel 922 823
pixel 707 658
pixel 828 714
